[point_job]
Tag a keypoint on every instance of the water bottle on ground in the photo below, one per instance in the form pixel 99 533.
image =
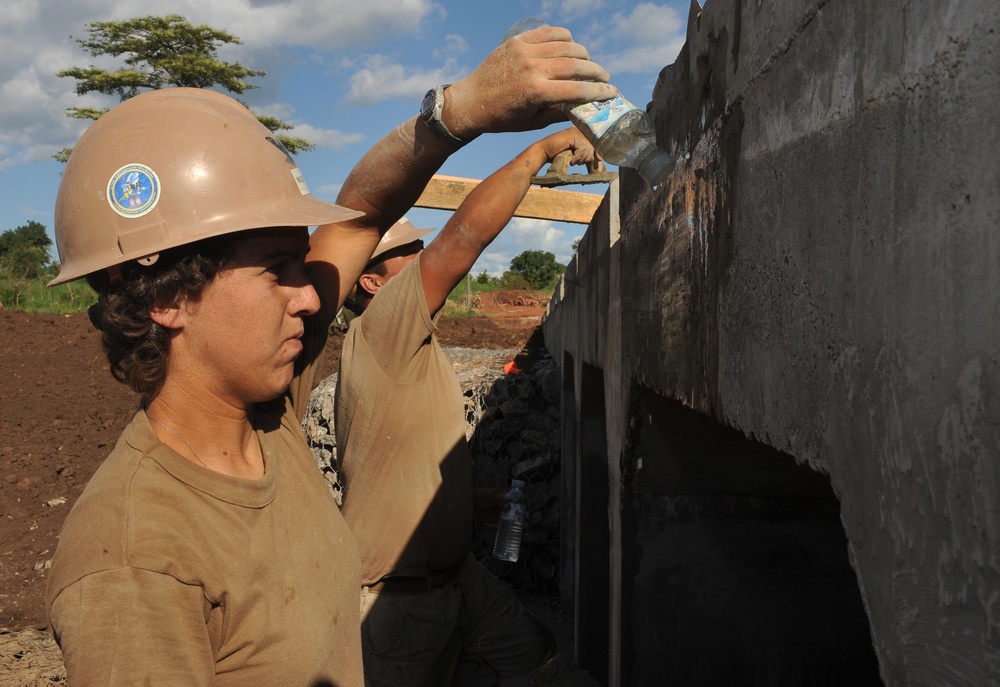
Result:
pixel 620 132
pixel 508 543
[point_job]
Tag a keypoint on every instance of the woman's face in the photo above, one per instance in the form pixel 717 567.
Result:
pixel 239 339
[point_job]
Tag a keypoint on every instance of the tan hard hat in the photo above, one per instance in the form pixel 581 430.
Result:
pixel 171 167
pixel 399 234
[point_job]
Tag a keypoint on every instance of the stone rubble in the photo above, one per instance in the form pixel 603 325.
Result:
pixel 512 423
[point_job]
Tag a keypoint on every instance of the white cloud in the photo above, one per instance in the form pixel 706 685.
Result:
pixel 645 38
pixel 328 190
pixel 523 234
pixel 336 24
pixel 539 234
pixel 282 111
pixel 328 139
pixel 571 9
pixel 453 45
pixel 382 78
pixel 652 35
pixel 33 124
pixel 37 39
pixel 492 262
pixel 333 24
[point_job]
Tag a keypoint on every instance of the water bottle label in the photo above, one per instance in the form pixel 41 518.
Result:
pixel 597 117
pixel 515 513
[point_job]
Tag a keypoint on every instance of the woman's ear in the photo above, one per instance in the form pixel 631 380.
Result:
pixel 167 317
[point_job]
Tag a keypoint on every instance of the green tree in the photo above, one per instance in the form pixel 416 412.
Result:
pixel 485 278
pixel 512 281
pixel 24 252
pixel 160 52
pixel 539 268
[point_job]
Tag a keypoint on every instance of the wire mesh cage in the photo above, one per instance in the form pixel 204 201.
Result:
pixel 512 425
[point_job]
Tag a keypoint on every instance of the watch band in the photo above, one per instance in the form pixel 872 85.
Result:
pixel 430 113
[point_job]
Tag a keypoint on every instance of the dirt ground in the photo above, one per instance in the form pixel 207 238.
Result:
pixel 61 413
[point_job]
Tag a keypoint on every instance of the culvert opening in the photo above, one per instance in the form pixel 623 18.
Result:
pixel 736 566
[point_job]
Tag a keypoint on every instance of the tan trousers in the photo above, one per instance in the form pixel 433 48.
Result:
pixel 468 632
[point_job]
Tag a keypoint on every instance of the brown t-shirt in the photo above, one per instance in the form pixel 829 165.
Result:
pixel 167 573
pixel 400 425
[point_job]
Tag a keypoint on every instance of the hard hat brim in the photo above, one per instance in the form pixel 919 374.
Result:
pixel 400 234
pixel 172 167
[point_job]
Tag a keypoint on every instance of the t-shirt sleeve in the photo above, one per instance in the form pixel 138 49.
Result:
pixel 133 627
pixel 396 326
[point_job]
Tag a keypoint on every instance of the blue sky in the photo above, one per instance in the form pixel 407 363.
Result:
pixel 344 72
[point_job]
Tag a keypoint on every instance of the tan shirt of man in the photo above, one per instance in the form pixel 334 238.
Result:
pixel 400 426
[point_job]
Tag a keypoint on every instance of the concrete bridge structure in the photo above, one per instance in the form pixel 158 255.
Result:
pixel 781 368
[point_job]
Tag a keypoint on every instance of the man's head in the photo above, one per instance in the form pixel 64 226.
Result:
pixel 398 247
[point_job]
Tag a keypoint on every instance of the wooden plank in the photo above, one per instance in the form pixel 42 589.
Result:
pixel 447 193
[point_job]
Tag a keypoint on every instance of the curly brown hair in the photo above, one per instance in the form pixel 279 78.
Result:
pixel 138 348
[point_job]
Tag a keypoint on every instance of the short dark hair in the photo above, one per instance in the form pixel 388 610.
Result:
pixel 137 348
pixel 359 297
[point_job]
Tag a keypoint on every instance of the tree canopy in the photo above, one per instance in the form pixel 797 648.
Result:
pixel 538 268
pixel 160 52
pixel 24 251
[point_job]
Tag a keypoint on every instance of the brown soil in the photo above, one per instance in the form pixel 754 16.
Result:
pixel 61 413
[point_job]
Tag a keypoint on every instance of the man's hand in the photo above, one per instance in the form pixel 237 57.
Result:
pixel 517 84
pixel 571 140
pixel 513 89
pixel 487 210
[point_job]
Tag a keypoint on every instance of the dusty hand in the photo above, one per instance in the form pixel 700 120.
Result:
pixel 571 140
pixel 516 85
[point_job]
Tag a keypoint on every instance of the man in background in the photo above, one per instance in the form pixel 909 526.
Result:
pixel 431 614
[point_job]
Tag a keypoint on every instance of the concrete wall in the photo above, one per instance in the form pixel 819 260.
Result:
pixel 822 275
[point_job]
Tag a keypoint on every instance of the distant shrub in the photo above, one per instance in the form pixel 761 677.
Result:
pixel 514 281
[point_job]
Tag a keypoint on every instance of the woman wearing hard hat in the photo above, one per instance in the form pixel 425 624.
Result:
pixel 206 550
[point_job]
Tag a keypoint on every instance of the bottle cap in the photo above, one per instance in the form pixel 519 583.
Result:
pixel 655 167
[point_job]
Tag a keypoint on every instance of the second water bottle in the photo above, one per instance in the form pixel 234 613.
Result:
pixel 508 542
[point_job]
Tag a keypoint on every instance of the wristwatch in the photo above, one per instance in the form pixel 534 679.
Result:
pixel 430 113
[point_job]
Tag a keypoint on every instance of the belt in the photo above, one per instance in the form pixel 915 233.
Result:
pixel 414 585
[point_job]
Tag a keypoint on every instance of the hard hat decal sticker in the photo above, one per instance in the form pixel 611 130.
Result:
pixel 133 190
pixel 300 181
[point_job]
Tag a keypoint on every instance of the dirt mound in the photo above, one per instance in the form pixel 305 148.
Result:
pixel 505 303
pixel 511 309
pixel 499 302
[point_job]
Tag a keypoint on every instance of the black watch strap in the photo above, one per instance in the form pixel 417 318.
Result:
pixel 430 113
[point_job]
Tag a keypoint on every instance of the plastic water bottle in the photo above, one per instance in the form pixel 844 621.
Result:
pixel 508 544
pixel 620 132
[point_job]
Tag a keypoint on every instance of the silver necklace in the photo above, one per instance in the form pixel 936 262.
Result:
pixel 187 443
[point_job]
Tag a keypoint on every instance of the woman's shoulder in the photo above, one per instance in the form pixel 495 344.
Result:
pixel 129 500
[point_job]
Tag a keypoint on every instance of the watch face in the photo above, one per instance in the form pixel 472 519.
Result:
pixel 427 106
